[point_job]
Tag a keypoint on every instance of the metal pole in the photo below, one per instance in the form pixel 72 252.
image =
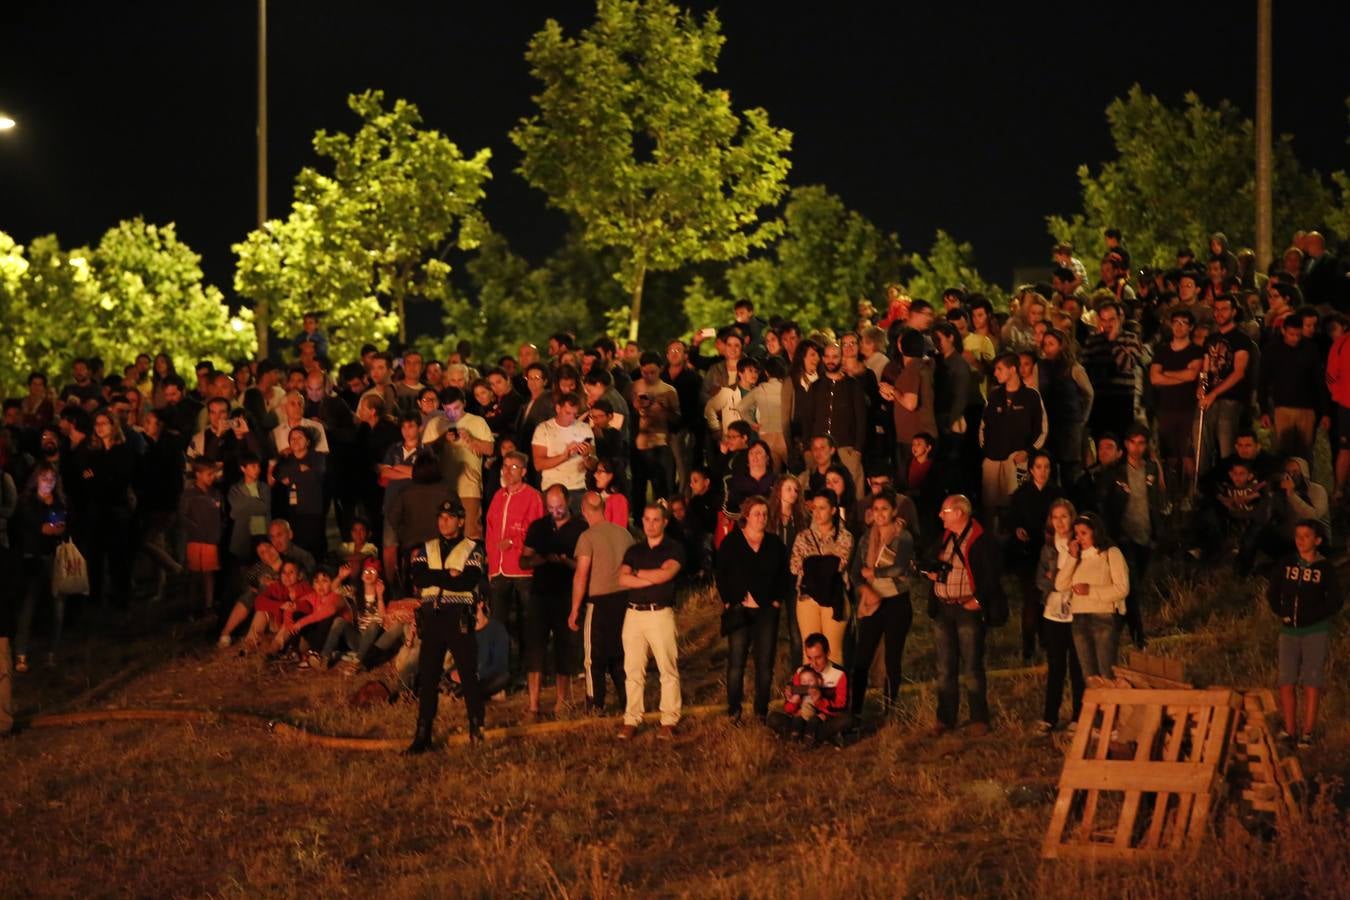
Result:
pixel 1264 225
pixel 261 312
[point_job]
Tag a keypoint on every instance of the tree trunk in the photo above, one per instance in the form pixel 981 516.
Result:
pixel 261 314
pixel 400 310
pixel 635 309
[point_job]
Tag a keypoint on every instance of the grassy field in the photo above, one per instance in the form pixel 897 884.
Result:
pixel 172 809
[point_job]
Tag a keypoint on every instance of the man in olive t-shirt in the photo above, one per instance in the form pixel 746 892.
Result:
pixel 599 556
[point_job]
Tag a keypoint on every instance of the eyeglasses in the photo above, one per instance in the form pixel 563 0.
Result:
pixel 514 466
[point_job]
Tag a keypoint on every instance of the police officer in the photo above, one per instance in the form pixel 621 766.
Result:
pixel 449 572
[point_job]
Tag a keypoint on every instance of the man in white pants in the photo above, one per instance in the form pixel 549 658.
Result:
pixel 648 572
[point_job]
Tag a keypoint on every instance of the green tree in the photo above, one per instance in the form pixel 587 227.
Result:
pixel 372 231
pixel 828 258
pixel 509 300
pixel 139 290
pixel 950 263
pixel 630 141
pixel 1181 174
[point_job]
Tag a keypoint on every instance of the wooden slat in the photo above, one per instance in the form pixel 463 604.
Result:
pixel 1103 748
pixel 1186 802
pixel 1054 835
pixel 1129 775
pixel 1144 697
pixel 1220 732
pixel 1171 750
pixel 1130 810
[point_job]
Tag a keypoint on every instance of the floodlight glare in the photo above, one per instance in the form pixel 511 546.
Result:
pixel 6 123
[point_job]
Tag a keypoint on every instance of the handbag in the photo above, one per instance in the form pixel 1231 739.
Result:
pixel 823 583
pixel 70 573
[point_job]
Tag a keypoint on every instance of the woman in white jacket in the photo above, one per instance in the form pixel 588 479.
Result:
pixel 1099 581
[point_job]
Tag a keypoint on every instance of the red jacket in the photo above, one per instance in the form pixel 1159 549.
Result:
pixel 1338 371
pixel 509 515
pixel 271 598
pixel 322 606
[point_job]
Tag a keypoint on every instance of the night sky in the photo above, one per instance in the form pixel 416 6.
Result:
pixel 924 116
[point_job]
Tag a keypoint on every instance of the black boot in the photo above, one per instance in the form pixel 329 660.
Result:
pixel 421 740
pixel 475 732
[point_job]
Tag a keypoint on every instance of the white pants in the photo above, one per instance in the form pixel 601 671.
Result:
pixel 654 631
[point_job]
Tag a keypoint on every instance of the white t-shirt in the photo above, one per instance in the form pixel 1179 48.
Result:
pixel 571 472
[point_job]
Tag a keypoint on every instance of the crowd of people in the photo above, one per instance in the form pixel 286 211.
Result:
pixel 537 515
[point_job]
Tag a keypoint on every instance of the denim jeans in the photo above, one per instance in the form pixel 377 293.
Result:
pixel 762 635
pixel 1095 637
pixel 1219 432
pixel 958 642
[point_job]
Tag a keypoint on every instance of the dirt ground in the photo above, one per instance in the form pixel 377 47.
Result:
pixel 229 808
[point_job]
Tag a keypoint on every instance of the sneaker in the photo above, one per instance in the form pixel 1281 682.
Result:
pixel 1043 727
pixel 977 729
pixel 627 732
pixel 667 733
pixel 1284 737
pixel 1305 741
pixel 224 641
pixel 21 664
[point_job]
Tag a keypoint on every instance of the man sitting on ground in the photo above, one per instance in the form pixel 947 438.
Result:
pixel 815 705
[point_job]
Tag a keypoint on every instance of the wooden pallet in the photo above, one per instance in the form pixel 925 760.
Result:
pixel 1155 793
pixel 1260 781
pixel 1142 670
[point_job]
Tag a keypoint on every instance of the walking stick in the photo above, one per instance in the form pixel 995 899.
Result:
pixel 1199 433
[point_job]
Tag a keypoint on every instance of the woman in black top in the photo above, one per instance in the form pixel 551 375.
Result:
pixel 756 481
pixel 753 581
pixel 1028 511
pixel 299 479
pixel 109 467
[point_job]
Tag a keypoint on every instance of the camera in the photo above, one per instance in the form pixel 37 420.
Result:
pixel 939 568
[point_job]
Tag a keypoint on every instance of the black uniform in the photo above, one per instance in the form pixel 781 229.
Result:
pixel 445 621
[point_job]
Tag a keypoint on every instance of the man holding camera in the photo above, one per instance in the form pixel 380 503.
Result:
pixel 967 598
pixel 815 704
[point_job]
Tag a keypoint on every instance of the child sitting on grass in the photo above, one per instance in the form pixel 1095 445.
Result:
pixel 1305 594
pixel 326 605
pixel 276 605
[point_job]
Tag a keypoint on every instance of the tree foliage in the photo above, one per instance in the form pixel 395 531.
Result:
pixel 651 162
pixel 509 300
pixel 369 233
pixel 1181 174
pixel 139 290
pixel 950 263
pixel 828 258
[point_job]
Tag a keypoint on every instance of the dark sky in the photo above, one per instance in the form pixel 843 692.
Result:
pixel 922 116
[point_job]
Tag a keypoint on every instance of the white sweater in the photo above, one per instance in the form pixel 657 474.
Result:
pixel 1105 574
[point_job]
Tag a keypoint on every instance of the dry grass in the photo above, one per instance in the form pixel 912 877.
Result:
pixel 171 810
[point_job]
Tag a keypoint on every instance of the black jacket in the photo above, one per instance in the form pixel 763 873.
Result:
pixel 838 409
pixel 1303 597
pixel 1012 422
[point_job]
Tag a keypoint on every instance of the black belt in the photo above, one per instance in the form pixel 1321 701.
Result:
pixel 648 607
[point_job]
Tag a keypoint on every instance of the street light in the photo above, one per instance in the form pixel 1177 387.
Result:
pixel 6 123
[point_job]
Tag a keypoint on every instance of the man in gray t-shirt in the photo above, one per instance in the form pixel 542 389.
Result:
pixel 599 554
